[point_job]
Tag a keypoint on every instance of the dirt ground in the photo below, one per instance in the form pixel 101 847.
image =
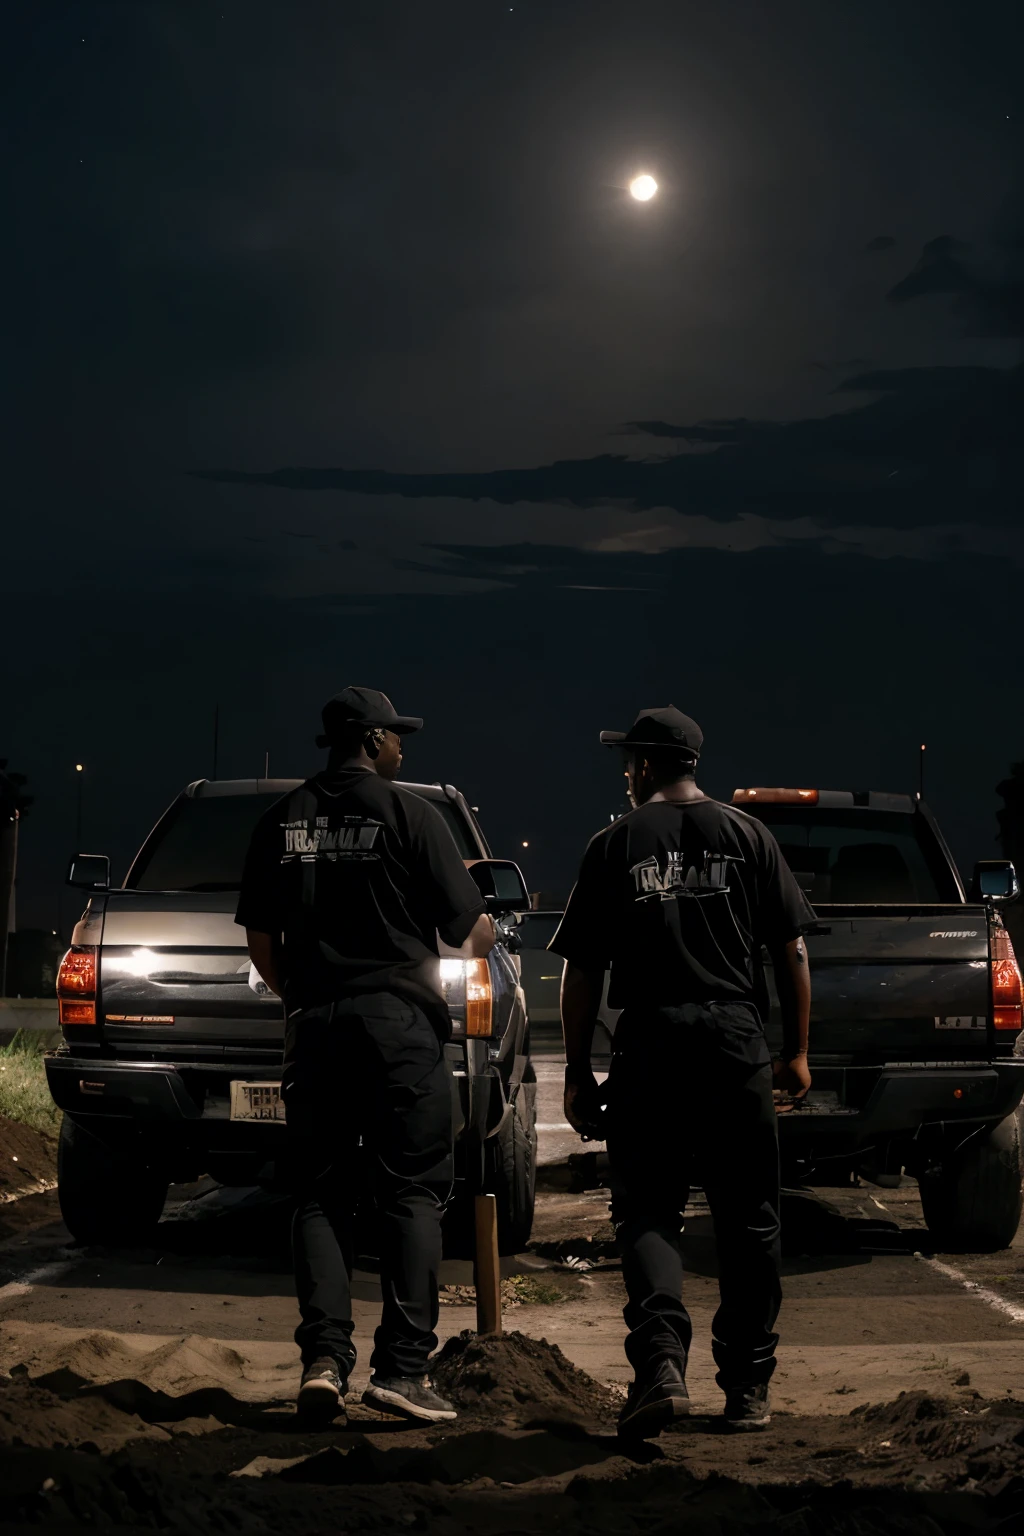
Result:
pixel 534 1444
pixel 28 1161
pixel 155 1389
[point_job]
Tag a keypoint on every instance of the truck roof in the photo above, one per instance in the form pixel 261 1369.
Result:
pixel 829 799
pixel 203 789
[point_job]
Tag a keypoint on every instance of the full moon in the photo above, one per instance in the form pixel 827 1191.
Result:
pixel 643 188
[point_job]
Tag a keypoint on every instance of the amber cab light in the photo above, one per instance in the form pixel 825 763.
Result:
pixel 76 985
pixel 1006 983
pixel 479 998
pixel 775 797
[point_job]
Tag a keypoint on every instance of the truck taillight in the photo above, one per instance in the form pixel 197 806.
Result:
pixel 479 999
pixel 76 985
pixel 1006 983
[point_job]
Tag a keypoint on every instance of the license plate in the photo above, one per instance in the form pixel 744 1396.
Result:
pixel 257 1101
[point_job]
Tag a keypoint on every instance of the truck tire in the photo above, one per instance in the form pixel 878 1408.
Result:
pixel 512 1169
pixel 106 1196
pixel 973 1204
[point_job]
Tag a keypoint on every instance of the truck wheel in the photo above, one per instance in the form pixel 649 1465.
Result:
pixel 512 1169
pixel 973 1204
pixel 106 1196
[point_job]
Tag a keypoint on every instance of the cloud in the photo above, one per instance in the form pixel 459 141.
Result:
pixel 726 430
pixel 660 558
pixel 990 302
pixel 935 446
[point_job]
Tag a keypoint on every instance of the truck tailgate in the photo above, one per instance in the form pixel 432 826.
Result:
pixel 891 985
pixel 175 967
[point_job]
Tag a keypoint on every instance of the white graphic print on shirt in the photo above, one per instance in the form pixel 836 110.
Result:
pixel 352 838
pixel 682 877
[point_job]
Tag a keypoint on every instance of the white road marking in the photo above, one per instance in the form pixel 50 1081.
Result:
pixel 982 1292
pixel 41 1276
pixel 557 1125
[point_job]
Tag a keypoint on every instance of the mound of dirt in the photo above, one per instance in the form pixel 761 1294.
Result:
pixel 28 1160
pixel 990 1435
pixel 498 1455
pixel 152 1486
pixel 33 1417
pixel 188 1364
pixel 518 1380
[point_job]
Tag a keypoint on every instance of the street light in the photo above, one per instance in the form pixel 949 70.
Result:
pixel 80 771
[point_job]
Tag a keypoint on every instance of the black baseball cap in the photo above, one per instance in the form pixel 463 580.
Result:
pixel 667 727
pixel 362 709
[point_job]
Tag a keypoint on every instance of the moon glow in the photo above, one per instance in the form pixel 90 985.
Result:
pixel 643 188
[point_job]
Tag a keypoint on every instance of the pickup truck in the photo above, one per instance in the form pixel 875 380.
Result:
pixel 171 1058
pixel 916 1050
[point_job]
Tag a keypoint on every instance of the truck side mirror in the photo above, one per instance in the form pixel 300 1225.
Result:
pixel 501 884
pixel 994 880
pixel 89 872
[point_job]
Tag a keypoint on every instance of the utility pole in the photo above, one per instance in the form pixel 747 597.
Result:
pixel 216 736
pixel 920 772
pixel 8 870
pixel 80 781
pixel 13 803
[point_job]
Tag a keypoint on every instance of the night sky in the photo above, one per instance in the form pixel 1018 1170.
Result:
pixel 338 352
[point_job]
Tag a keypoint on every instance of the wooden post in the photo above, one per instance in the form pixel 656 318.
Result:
pixel 488 1270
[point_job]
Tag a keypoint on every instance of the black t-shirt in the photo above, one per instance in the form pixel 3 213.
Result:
pixel 677 899
pixel 359 876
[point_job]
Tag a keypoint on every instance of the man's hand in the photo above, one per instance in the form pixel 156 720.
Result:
pixel 793 1076
pixel 265 954
pixel 583 1102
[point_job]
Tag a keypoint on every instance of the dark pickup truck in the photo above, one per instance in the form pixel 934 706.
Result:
pixel 171 1061
pixel 916 1047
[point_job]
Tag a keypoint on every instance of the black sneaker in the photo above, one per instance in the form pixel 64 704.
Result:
pixel 322 1390
pixel 411 1396
pixel 748 1407
pixel 654 1400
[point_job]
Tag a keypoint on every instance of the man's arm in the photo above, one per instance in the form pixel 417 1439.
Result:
pixel 793 984
pixel 265 952
pixel 580 1003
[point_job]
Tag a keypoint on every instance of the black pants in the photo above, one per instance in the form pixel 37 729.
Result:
pixel 690 1096
pixel 372 1068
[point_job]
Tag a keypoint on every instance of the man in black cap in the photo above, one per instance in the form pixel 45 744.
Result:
pixel 347 883
pixel 676 898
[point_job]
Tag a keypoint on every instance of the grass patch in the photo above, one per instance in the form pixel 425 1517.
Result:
pixel 24 1095
pixel 532 1288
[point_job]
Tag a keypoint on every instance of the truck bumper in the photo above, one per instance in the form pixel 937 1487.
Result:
pixel 196 1097
pixel 129 1090
pixel 906 1100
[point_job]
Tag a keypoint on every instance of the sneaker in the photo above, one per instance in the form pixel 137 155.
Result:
pixel 748 1407
pixel 654 1400
pixel 411 1396
pixel 322 1390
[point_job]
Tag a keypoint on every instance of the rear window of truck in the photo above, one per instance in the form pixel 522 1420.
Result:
pixel 862 857
pixel 201 843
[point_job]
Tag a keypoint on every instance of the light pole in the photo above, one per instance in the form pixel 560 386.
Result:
pixel 80 780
